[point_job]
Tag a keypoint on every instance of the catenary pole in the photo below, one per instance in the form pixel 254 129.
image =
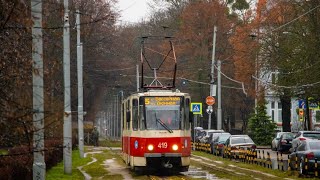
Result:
pixel 67 129
pixel 117 117
pixel 137 74
pixel 39 166
pixel 212 91
pixel 219 112
pixel 213 60
pixel 114 116
pixel 121 114
pixel 80 87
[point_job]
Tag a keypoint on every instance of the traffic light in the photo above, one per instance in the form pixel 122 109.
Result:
pixel 301 114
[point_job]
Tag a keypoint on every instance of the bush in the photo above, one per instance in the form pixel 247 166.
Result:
pixel 17 164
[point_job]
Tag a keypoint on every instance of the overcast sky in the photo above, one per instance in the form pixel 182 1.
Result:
pixel 133 10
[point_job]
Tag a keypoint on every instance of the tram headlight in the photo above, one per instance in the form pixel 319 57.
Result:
pixel 175 147
pixel 150 147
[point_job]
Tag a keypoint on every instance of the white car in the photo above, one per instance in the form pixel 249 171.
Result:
pixel 303 135
pixel 206 134
pixel 275 141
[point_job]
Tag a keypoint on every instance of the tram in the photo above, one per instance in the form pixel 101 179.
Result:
pixel 156 129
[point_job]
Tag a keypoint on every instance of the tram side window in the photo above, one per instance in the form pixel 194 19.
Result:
pixel 141 114
pixel 128 110
pixel 186 114
pixel 123 115
pixel 182 108
pixel 135 119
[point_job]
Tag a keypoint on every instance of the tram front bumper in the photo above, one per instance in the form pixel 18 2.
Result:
pixel 162 155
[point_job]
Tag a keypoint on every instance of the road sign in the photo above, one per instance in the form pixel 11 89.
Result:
pixel 209 110
pixel 302 104
pixel 312 104
pixel 196 108
pixel 210 100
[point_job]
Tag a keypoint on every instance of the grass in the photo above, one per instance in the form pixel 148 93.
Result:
pixel 57 172
pixel 227 163
pixel 4 152
pixel 97 170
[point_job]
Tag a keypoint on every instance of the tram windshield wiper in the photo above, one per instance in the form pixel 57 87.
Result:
pixel 163 124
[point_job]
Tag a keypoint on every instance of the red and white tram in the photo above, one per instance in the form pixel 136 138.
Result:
pixel 156 130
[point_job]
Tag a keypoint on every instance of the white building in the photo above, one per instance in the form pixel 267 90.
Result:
pixel 274 107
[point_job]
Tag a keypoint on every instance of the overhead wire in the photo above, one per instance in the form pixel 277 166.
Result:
pixel 286 87
pixel 295 19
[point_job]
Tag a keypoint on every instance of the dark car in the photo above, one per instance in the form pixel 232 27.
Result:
pixel 308 149
pixel 285 142
pixel 217 142
pixel 237 143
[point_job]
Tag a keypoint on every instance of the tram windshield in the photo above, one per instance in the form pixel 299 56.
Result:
pixel 163 117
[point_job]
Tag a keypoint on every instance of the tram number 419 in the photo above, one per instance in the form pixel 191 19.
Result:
pixel 163 145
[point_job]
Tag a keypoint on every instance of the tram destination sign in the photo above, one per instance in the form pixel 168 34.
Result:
pixel 162 101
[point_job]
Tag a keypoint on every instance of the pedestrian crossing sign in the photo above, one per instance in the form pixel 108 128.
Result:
pixel 196 108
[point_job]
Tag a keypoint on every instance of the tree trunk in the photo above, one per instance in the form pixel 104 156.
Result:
pixel 286 112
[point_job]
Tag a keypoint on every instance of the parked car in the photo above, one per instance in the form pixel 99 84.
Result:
pixel 303 135
pixel 217 142
pixel 196 133
pixel 274 143
pixel 206 134
pixel 238 142
pixel 285 142
pixel 309 149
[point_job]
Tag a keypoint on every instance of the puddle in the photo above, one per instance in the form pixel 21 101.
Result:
pixel 198 173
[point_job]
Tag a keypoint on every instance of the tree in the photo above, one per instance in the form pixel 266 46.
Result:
pixel 289 47
pixel 260 126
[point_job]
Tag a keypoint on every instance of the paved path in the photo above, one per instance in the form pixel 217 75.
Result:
pixel 110 165
pixel 86 175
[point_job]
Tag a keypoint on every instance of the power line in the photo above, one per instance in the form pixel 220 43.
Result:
pixel 295 19
pixel 286 87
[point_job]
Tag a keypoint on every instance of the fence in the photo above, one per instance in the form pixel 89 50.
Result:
pixel 258 157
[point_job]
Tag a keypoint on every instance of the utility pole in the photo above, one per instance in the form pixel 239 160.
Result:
pixel 39 165
pixel 137 74
pixel 80 87
pixel 194 131
pixel 117 117
pixel 219 112
pixel 67 128
pixel 109 122
pixel 212 87
pixel 114 116
pixel 121 114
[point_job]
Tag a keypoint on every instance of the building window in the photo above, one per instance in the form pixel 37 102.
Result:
pixel 272 111
pixel 318 116
pixel 272 105
pixel 279 115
